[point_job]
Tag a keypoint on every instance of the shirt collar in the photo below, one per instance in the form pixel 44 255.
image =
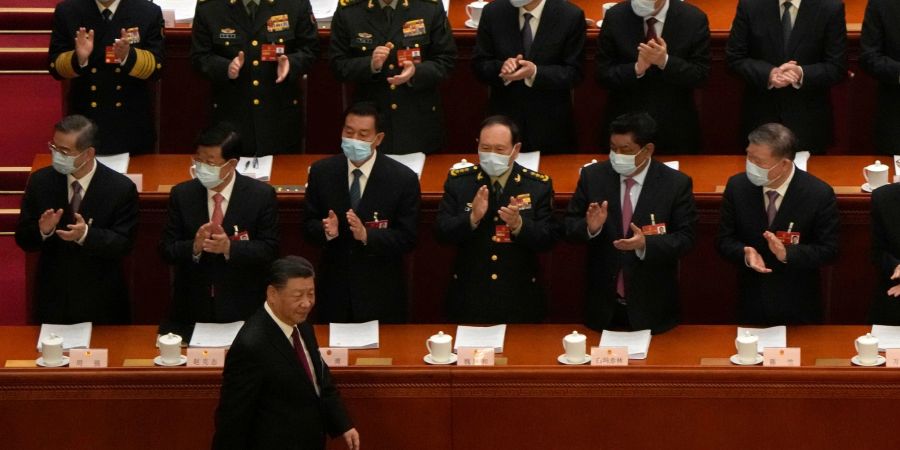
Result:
pixel 661 15
pixel 640 177
pixel 503 178
pixel 392 4
pixel 285 328
pixel 366 168
pixel 536 12
pixel 781 3
pixel 85 180
pixel 112 7
pixel 784 186
pixel 226 192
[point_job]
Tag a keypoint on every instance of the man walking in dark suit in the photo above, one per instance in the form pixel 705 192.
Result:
pixel 110 49
pixel 362 208
pixel 790 53
pixel 637 217
pixel 886 253
pixel 651 55
pixel 500 214
pixel 880 57
pixel 779 225
pixel 277 392
pixel 396 53
pixel 529 53
pixel 82 217
pixel 255 52
pixel 221 235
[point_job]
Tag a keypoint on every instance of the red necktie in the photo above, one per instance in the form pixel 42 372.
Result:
pixel 217 215
pixel 627 212
pixel 301 355
pixel 651 29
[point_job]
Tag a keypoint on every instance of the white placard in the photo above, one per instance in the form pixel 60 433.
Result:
pixel 637 342
pixel 88 358
pixel 476 337
pixel 206 357
pixel 335 357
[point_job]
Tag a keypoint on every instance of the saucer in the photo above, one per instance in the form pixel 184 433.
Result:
pixel 63 362
pixel 735 360
pixel 563 360
pixel 471 24
pixel 600 23
pixel 866 188
pixel 879 360
pixel 159 362
pixel 452 360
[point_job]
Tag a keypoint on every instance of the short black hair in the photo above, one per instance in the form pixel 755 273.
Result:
pixel 223 135
pixel 289 267
pixel 86 129
pixel 639 125
pixel 779 138
pixel 503 121
pixel 366 109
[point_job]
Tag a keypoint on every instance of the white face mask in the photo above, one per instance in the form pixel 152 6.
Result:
pixel 757 175
pixel 643 8
pixel 210 176
pixel 65 164
pixel 493 164
pixel 623 164
pixel 519 3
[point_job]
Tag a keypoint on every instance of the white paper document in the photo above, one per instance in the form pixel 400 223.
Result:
pixel 323 9
pixel 638 342
pixel 530 160
pixel 215 334
pixel 481 337
pixel 672 164
pixel 259 168
pixel 74 336
pixel 774 337
pixel 888 336
pixel 415 161
pixel 184 9
pixel 801 159
pixel 353 335
pixel 118 162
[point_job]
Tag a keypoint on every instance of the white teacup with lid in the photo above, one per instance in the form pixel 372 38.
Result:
pixel 439 347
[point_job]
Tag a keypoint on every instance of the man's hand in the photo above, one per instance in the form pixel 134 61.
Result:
pixel 357 227
pixel 284 67
pixel 791 72
pixel 526 70
pixel 510 65
pixel 49 220
pixel 75 231
pixel 654 52
pixel 351 437
pixel 776 78
pixel 755 261
pixel 234 69
pixel 893 292
pixel 330 225
pixel 203 233
pixel 217 242
pixel 636 242
pixel 479 205
pixel 84 45
pixel 380 55
pixel 596 216
pixel 776 246
pixel 409 69
pixel 510 215
pixel 121 47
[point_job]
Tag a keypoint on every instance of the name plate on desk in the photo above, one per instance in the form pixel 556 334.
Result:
pixel 88 358
pixel 609 356
pixel 335 357
pixel 781 357
pixel 475 356
pixel 205 357
pixel 892 355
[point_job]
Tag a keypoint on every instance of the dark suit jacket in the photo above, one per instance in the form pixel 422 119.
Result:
pixel 543 111
pixel 81 283
pixel 668 95
pixel 651 285
pixel 356 282
pixel 215 289
pixel 880 57
pixel 791 293
pixel 885 252
pixel 818 43
pixel 496 282
pixel 267 400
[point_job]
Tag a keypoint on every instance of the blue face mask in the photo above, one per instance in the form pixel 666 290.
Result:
pixel 356 150
pixel 519 3
pixel 757 175
pixel 65 164
pixel 493 164
pixel 210 176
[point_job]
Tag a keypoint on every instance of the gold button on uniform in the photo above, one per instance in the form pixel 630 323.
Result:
pixel 227 43
pixel 94 70
pixel 393 87
pixel 255 62
pixel 119 87
pixel 93 87
pixel 493 276
pixel 93 104
pixel 454 276
pixel 254 43
pixel 393 106
pixel 118 104
pixel 256 82
pixel 493 257
pixel 118 70
pixel 296 102
pixel 364 48
pixel 391 66
pixel 255 101
pixel 280 40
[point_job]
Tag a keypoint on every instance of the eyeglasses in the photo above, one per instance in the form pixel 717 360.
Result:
pixel 197 161
pixel 63 150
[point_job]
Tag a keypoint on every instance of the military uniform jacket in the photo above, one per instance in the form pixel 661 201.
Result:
pixel 496 281
pixel 113 95
pixel 268 114
pixel 412 111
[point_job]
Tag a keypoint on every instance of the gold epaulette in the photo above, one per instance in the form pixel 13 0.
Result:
pixel 471 170
pixel 536 175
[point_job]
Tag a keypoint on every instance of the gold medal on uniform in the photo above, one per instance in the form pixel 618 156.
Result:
pixel 414 28
pixel 133 35
pixel 271 52
pixel 502 234
pixel 413 55
pixel 521 201
pixel 278 23
pixel 654 228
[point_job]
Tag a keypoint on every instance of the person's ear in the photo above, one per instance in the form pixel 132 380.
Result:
pixel 650 148
pixel 515 153
pixel 378 138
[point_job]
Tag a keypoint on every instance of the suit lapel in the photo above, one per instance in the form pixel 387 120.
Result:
pixel 806 15
pixel 791 202
pixel 648 193
pixel 363 210
pixel 512 29
pixel 772 16
pixel 283 346
pixel 673 16
pixel 237 198
pixel 614 205
pixel 547 24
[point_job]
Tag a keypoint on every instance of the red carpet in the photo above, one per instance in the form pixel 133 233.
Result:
pixel 31 106
pixel 12 279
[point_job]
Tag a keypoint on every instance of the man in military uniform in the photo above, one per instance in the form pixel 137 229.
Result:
pixel 500 214
pixel 396 52
pixel 255 52
pixel 109 50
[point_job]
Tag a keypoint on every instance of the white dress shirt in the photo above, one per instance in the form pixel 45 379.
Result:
pixel 366 169
pixel 781 190
pixel 288 331
pixel 794 9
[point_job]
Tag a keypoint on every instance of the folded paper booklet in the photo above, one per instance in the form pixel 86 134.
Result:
pixel 118 162
pixel 353 335
pixel 773 337
pixel 482 337
pixel 888 336
pixel 74 336
pixel 215 334
pixel 415 161
pixel 530 160
pixel 638 342
pixel 259 168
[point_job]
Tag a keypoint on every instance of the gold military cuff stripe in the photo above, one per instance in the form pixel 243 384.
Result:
pixel 63 65
pixel 144 64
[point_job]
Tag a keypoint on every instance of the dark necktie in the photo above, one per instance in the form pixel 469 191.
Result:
pixel 651 29
pixel 75 203
pixel 498 193
pixel 786 25
pixel 388 14
pixel 527 35
pixel 355 193
pixel 107 14
pixel 301 355
pixel 772 209
pixel 627 212
pixel 251 9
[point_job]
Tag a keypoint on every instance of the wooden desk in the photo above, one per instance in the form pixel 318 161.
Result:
pixel 668 400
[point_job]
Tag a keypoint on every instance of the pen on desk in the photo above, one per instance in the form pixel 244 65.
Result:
pixel 247 165
pixel 255 162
